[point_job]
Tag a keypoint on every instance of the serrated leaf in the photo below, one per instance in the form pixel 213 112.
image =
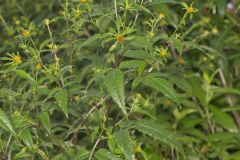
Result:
pixel 82 154
pixel 202 48
pixel 103 154
pixel 26 136
pixel 223 119
pixel 182 83
pixel 178 45
pixel 163 86
pixel 141 8
pixel 88 41
pixel 141 42
pixel 45 119
pixel 125 144
pixel 154 130
pixel 131 63
pixel 24 75
pixel 5 122
pixel 62 100
pixel 114 82
pixel 139 54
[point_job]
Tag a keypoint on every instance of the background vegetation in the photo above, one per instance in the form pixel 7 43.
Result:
pixel 119 79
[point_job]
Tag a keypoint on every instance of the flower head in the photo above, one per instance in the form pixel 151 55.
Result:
pixel 190 9
pixel 168 102
pixel 120 38
pixel 215 30
pixel 26 33
pixel 181 61
pixel 138 149
pixel 16 59
pixel 83 1
pixel 38 66
pixel 163 52
pixel 46 21
pixel 161 15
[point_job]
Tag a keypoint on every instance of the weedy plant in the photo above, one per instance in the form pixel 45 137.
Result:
pixel 119 80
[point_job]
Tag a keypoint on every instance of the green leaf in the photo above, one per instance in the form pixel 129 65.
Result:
pixel 5 122
pixel 182 83
pixel 154 2
pixel 223 119
pixel 222 136
pixel 125 144
pixel 178 45
pixel 162 36
pixel 45 119
pixel 197 89
pixel 115 86
pixel 141 8
pixel 26 136
pixel 24 75
pixel 226 90
pixel 103 154
pixel 221 5
pixel 131 63
pixel 62 100
pixel 139 54
pixel 163 86
pixel 88 41
pixel 141 42
pixel 154 130
pixel 82 154
pixel 33 51
pixel 202 48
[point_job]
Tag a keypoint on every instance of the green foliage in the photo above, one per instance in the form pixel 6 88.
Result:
pixel 115 86
pixel 119 80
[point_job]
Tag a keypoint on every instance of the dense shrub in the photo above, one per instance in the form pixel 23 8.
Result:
pixel 119 79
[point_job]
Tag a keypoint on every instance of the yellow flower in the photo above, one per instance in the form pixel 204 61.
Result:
pixel 215 30
pixel 205 33
pixel 207 20
pixel 161 15
pixel 167 102
pixel 139 95
pixel 46 21
pixel 181 61
pixel 14 18
pixel 83 1
pixel 76 98
pixel 77 12
pixel 190 9
pixel 163 52
pixel 138 149
pixel 16 59
pixel 26 33
pixel 17 22
pixel 38 66
pixel 120 38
